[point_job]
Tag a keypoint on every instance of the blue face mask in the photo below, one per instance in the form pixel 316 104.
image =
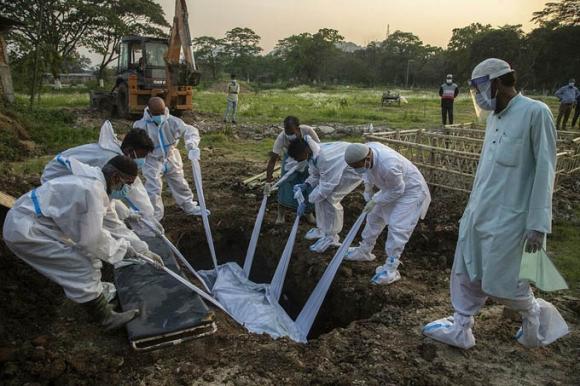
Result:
pixel 158 119
pixel 140 162
pixel 120 193
pixel 364 169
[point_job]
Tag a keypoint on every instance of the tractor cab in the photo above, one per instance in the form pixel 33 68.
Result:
pixel 144 57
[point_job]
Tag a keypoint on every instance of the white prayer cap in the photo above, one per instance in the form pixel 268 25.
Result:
pixel 355 152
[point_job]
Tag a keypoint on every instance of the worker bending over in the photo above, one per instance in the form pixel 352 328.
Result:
pixel 402 198
pixel 58 229
pixel 136 145
pixel 292 130
pixel 510 203
pixel 165 130
pixel 330 180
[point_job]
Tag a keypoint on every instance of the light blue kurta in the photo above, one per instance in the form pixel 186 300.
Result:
pixel 512 193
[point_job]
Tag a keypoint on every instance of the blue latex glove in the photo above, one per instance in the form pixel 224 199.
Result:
pixel 301 209
pixel 302 187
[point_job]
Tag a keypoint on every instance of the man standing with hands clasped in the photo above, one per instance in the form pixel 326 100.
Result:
pixel 510 206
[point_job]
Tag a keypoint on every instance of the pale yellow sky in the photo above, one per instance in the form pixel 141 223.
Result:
pixel 359 21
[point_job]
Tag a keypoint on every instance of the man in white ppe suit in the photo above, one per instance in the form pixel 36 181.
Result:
pixel 58 229
pixel 510 204
pixel 402 198
pixel 165 131
pixel 329 180
pixel 136 145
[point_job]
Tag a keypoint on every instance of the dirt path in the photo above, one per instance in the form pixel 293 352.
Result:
pixel 364 334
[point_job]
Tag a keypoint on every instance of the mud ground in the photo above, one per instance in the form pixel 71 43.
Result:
pixel 364 334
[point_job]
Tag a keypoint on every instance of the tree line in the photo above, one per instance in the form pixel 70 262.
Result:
pixel 48 37
pixel 544 58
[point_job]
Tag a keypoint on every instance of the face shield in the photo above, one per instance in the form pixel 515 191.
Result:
pixel 480 91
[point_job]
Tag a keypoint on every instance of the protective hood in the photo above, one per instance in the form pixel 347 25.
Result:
pixel 80 169
pixel 313 145
pixel 108 139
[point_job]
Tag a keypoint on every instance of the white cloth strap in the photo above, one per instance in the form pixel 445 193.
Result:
pixel 204 216
pixel 191 286
pixel 255 234
pixel 280 274
pixel 258 225
pixel 177 252
pixel 306 317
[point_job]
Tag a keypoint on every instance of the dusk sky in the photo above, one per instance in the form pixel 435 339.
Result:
pixel 359 21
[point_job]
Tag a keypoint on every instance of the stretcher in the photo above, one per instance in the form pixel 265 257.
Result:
pixel 170 313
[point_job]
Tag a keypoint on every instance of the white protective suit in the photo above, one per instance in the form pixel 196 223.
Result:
pixel 512 194
pixel 332 179
pixel 402 199
pixel 97 155
pixel 165 160
pixel 66 227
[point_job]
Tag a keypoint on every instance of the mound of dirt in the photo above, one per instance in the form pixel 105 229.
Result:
pixel 15 143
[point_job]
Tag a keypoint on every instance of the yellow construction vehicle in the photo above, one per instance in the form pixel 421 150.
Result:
pixel 149 67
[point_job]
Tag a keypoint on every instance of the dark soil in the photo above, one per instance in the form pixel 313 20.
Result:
pixel 364 334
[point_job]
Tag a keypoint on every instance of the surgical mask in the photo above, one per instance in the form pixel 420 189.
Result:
pixel 302 165
pixel 158 119
pixel 364 169
pixel 448 81
pixel 291 137
pixel 571 84
pixel 120 193
pixel 140 162
pixel 484 99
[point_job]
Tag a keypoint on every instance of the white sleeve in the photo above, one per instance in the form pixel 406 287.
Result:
pixel 119 231
pixel 190 134
pixel 313 176
pixel 83 223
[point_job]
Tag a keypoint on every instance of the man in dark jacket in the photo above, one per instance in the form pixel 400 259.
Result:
pixel 448 92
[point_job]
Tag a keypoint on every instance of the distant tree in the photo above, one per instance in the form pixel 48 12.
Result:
pixel 118 18
pixel 55 28
pixel 564 13
pixel 459 48
pixel 209 53
pixel 310 55
pixel 241 46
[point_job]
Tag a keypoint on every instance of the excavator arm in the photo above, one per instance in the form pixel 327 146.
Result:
pixel 181 76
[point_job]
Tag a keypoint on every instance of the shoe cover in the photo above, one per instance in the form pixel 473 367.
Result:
pixel 314 234
pixel 324 243
pixel 196 211
pixel 541 326
pixel 358 254
pixel 453 331
pixel 385 276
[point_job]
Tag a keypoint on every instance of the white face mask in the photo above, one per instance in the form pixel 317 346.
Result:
pixel 449 81
pixel 484 99
pixel 291 137
pixel 571 84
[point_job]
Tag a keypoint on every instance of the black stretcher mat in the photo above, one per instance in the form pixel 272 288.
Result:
pixel 170 312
